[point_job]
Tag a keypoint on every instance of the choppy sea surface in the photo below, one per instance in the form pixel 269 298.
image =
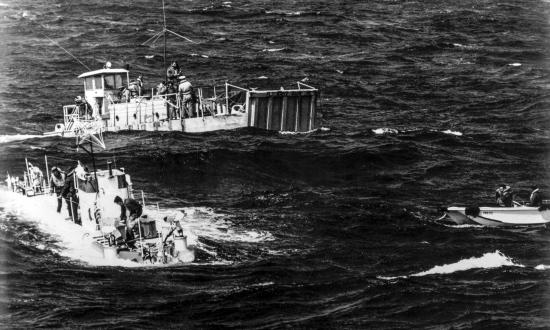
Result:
pixel 424 104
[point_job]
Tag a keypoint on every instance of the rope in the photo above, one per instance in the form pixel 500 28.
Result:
pixel 58 45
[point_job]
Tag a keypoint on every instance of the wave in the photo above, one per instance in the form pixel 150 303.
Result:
pixel 542 267
pixel 463 225
pixel 385 130
pixel 18 137
pixel 285 13
pixel 321 129
pixel 393 131
pixel 487 261
pixel 273 49
pixel 452 132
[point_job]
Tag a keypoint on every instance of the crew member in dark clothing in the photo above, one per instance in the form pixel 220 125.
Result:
pixel 173 71
pixel 57 182
pixel 70 196
pixel 508 197
pixel 136 211
pixel 84 108
pixel 504 196
pixel 131 205
pixel 536 197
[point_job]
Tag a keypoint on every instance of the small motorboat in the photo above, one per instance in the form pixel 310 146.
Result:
pixel 517 216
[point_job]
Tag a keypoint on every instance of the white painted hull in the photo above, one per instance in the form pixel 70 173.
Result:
pixel 188 125
pixel 522 216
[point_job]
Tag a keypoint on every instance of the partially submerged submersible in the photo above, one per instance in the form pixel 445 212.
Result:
pixel 157 241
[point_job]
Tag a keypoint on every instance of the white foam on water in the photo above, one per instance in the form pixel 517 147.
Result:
pixel 464 226
pixel 203 221
pixel 487 261
pixel 452 132
pixel 76 243
pixel 300 133
pixel 385 130
pixel 542 267
pixel 514 64
pixel 273 49
pixel 18 137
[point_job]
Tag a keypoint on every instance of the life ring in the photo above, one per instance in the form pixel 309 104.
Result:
pixel 237 107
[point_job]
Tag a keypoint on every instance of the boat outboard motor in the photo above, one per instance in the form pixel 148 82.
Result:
pixel 472 211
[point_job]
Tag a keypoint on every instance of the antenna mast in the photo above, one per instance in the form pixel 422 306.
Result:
pixel 90 131
pixel 164 32
pixel 151 41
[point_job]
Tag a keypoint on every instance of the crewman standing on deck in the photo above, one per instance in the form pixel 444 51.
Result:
pixel 173 71
pixel 57 182
pixel 84 108
pixel 185 91
pixel 70 194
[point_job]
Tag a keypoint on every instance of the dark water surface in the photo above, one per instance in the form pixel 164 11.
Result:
pixel 318 227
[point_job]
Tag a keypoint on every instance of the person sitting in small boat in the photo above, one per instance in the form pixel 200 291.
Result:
pixel 536 196
pixel 185 91
pixel 504 196
pixel 57 182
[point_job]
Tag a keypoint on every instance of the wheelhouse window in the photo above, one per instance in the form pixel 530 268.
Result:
pixel 98 84
pixel 109 81
pixel 89 81
pixel 120 81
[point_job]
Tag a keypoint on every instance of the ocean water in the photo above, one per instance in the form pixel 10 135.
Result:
pixel 424 104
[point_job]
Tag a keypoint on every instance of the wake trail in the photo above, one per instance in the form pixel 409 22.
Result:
pixel 19 137
pixel 487 261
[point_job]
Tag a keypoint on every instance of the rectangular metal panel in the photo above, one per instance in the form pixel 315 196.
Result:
pixel 269 109
pixel 312 112
pixel 276 113
pixel 303 122
pixel 290 115
pixel 261 114
pixel 252 109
